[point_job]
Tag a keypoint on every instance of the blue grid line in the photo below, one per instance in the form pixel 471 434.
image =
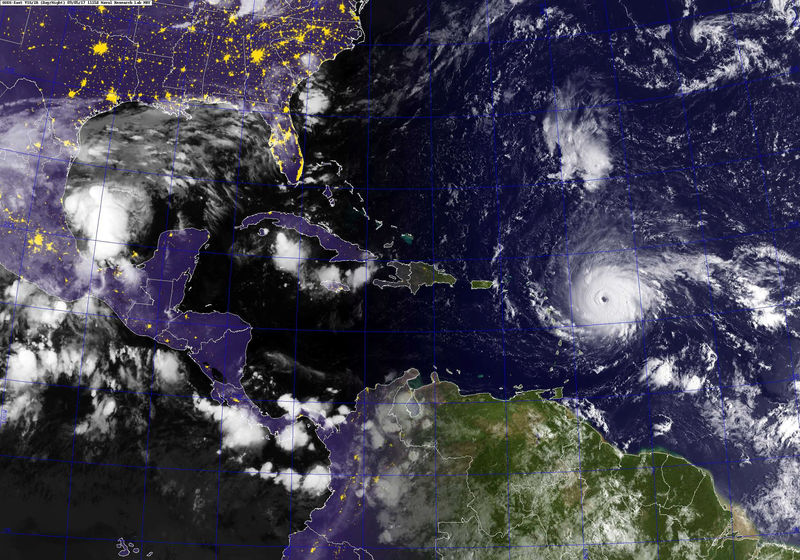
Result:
pixel 432 181
pixel 642 329
pixel 711 301
pixel 24 244
pixel 296 315
pixel 532 256
pixel 569 283
pixel 554 110
pixel 771 535
pixel 634 27
pixel 158 306
pixel 367 475
pixel 501 272
pixel 558 327
pixel 366 271
pixel 538 184
pixel 771 221
pixel 227 319
pixel 86 324
pixel 594 397
pixel 456 116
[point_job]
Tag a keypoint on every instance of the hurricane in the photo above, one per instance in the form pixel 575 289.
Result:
pixel 608 296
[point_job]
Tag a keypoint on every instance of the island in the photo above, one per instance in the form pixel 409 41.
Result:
pixel 414 275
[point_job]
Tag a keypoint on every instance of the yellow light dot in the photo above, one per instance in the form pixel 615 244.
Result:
pixel 257 56
pixel 100 48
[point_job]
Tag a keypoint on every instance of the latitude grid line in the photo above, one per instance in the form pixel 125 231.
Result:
pixel 644 101
pixel 627 101
pixel 598 32
pixel 790 226
pixel 521 330
pixel 656 172
pixel 703 464
pixel 607 396
pixel 388 548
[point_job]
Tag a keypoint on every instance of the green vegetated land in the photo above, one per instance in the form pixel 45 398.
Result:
pixel 561 490
pixel 414 275
pixel 481 284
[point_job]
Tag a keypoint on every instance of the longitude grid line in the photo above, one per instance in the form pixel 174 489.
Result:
pixel 701 222
pixel 48 103
pixel 222 397
pixel 45 125
pixel 86 318
pixel 501 264
pixel 770 214
pixel 296 310
pixel 366 404
pixel 435 380
pixel 158 306
pixel 569 280
pixel 642 326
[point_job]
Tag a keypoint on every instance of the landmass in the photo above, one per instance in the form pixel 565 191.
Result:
pixel 481 284
pixel 70 64
pixel 427 469
pixel 345 251
pixel 414 275
pixel 249 55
